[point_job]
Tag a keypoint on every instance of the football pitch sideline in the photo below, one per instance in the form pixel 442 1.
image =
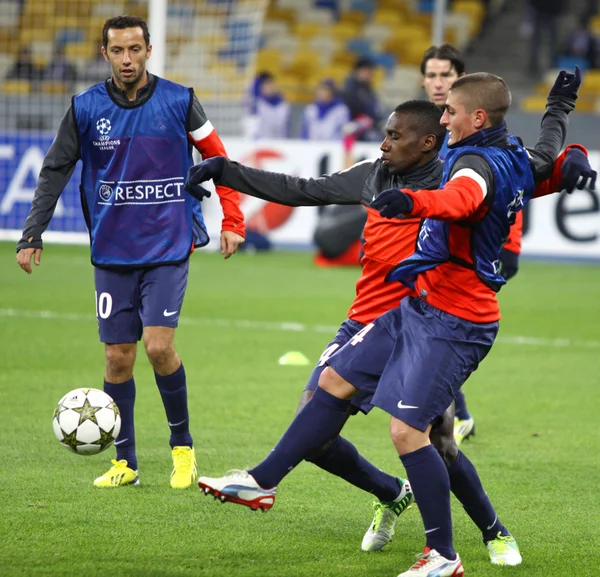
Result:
pixel 535 400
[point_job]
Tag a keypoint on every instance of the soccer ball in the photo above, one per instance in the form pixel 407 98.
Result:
pixel 86 421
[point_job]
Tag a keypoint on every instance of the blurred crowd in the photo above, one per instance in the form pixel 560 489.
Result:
pixel 542 24
pixel 349 112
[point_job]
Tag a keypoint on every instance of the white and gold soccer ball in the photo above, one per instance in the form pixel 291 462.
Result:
pixel 86 421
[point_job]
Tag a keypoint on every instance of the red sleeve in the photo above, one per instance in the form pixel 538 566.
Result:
pixel 209 145
pixel 513 242
pixel 553 184
pixel 459 199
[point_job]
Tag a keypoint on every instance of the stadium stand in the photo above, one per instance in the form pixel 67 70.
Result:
pixel 299 44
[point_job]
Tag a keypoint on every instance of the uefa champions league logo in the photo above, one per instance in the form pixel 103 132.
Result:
pixel 103 126
pixel 105 192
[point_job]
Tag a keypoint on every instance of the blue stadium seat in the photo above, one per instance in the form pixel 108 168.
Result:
pixel 385 59
pixel 426 6
pixel 366 6
pixel 569 63
pixel 360 46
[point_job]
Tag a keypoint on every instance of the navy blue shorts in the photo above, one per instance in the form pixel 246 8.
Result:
pixel 129 300
pixel 348 329
pixel 414 359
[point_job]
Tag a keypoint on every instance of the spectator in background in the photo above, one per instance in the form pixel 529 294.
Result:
pixel 583 44
pixel 60 69
pixel 269 112
pixel 362 101
pixel 325 118
pixel 545 15
pixel 24 67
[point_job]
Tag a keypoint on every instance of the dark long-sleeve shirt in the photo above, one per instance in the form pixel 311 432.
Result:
pixel 387 241
pixel 60 160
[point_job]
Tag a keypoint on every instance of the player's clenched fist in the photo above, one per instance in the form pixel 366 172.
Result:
pixel 24 258
pixel 209 169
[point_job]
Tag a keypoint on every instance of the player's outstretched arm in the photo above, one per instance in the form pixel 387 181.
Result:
pixel 56 171
pixel 553 131
pixel 345 187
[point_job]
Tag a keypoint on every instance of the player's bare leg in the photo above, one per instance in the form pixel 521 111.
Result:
pixel 119 384
pixel 170 379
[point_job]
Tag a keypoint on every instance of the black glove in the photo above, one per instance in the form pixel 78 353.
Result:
pixel 392 202
pixel 211 168
pixel 566 85
pixel 509 263
pixel 576 171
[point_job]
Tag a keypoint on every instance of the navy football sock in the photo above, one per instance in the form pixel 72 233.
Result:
pixel 318 422
pixel 173 392
pixel 467 488
pixel 123 395
pixel 341 458
pixel 461 407
pixel 428 478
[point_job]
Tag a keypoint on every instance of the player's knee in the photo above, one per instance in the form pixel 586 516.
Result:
pixel 336 385
pixel 119 361
pixel 406 439
pixel 446 447
pixel 159 351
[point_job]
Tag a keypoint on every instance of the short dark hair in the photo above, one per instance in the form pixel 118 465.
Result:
pixel 486 91
pixel 444 52
pixel 364 62
pixel 122 22
pixel 427 117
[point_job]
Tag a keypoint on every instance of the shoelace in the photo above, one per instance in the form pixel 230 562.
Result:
pixel 422 560
pixel 238 473
pixel 500 543
pixel 381 518
pixel 122 464
pixel 186 459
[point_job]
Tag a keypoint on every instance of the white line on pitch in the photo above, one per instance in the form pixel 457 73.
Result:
pixel 286 327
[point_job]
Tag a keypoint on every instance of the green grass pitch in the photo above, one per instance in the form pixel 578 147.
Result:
pixel 535 400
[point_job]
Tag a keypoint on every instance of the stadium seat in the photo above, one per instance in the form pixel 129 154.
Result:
pixel 316 15
pixel 54 87
pixel 390 17
pixel 356 17
pixel 343 31
pixel 307 30
pixel 9 13
pixel 360 46
pixel 569 63
pixel 16 87
pixel 270 60
pixel 386 60
pixel 474 10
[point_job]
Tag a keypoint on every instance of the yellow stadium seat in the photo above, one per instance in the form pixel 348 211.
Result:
pixel 337 73
pixel 29 35
pixel 80 50
pixel 472 9
pixel 16 87
pixel 389 17
pixel 404 38
pixel 343 31
pixel 269 59
pixel 533 103
pixel 357 17
pixel 306 30
pixel 304 63
pixel 54 87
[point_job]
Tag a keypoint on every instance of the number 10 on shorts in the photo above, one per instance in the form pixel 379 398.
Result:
pixel 103 305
